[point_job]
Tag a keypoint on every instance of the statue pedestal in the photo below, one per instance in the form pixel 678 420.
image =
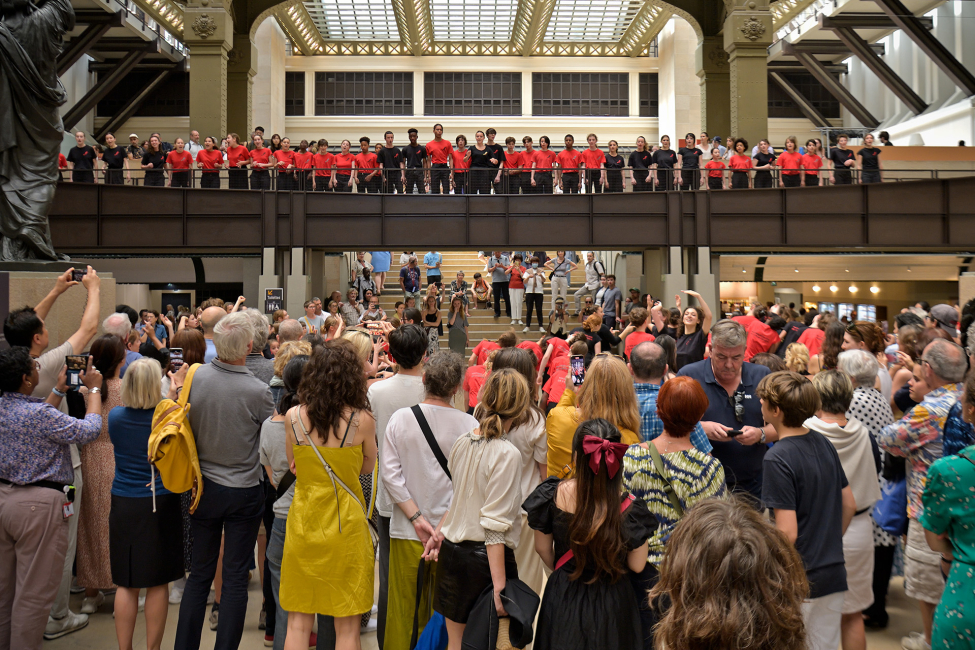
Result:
pixel 19 288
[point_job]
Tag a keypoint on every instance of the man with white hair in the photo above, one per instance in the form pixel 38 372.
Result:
pixel 119 325
pixel 260 367
pixel 229 405
pixel 290 330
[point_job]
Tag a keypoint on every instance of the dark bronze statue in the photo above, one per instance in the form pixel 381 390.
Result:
pixel 30 124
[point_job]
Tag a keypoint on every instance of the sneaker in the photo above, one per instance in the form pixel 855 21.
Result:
pixel 211 597
pixel 57 628
pixel 262 620
pixel 268 640
pixel 371 626
pixel 526 329
pixel 91 605
pixel 75 589
pixel 915 641
pixel 375 610
pixel 521 322
pixel 176 593
pixel 312 641
pixel 214 616
pixel 142 603
pixel 541 329
pixel 513 322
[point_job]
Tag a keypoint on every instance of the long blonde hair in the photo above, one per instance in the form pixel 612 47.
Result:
pixel 505 396
pixel 287 351
pixel 797 357
pixel 608 393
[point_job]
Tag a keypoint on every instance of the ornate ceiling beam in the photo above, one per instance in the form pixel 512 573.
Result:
pixel 167 13
pixel 531 23
pixel 414 24
pixel 297 23
pixel 643 29
pixel 785 10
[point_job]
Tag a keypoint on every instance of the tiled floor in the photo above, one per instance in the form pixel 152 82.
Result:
pixel 100 633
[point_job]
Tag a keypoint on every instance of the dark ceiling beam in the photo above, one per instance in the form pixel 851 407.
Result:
pixel 831 48
pixel 816 68
pixel 800 100
pixel 907 22
pixel 121 117
pixel 795 66
pixel 79 45
pixel 873 21
pixel 876 64
pixel 144 66
pixel 106 84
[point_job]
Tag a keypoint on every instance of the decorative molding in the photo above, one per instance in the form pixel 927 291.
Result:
pixel 752 28
pixel 204 26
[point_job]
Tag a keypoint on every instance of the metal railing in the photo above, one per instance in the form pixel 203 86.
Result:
pixel 476 181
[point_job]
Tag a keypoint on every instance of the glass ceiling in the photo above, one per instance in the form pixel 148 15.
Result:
pixel 591 20
pixel 370 20
pixel 481 20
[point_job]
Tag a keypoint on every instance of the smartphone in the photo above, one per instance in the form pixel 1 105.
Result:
pixel 175 359
pixel 733 433
pixel 76 363
pixel 577 366
pixel 77 275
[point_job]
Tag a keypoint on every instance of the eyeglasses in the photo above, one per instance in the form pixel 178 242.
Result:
pixel 736 400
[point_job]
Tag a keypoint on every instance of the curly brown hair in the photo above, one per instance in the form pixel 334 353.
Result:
pixel 333 383
pixel 733 580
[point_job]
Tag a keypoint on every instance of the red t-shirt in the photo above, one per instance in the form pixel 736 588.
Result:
pixel 209 160
pixel 761 337
pixel 560 349
pixel 715 167
pixel 514 160
pixel 593 159
pixel 811 163
pixel 261 157
pixel 635 339
pixel 473 380
pixel 180 159
pixel 483 349
pixel 534 348
pixel 789 163
pixel 62 161
pixel 570 161
pixel 238 154
pixel 366 163
pixel 439 151
pixel 323 164
pixel 303 160
pixel 286 159
pixel 460 165
pixel 544 159
pixel 555 385
pixel 740 162
pixel 516 282
pixel 812 338
pixel 343 163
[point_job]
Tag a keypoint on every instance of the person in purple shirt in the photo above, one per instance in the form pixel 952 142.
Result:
pixel 35 492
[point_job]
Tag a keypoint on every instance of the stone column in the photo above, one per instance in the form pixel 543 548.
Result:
pixel 704 281
pixel 747 35
pixel 269 278
pixel 208 29
pixel 664 273
pixel 714 71
pixel 296 284
pixel 241 69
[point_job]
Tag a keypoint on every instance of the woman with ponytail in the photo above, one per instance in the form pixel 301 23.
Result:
pixel 592 536
pixel 482 526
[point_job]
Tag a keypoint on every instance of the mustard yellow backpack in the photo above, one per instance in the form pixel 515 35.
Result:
pixel 172 447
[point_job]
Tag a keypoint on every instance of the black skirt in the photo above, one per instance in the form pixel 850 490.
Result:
pixel 463 575
pixel 145 547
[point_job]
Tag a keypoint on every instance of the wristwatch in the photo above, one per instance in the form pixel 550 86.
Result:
pixel 94 390
pixel 762 440
pixel 418 514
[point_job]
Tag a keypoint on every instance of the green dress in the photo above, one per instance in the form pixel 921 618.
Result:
pixel 948 509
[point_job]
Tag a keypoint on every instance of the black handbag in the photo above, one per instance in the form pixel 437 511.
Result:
pixel 519 601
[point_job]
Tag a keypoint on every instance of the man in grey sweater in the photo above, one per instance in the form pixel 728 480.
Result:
pixel 260 367
pixel 227 406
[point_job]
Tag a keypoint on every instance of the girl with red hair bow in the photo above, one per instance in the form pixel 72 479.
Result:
pixel 593 537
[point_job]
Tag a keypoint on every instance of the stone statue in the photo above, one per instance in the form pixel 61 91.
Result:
pixel 30 124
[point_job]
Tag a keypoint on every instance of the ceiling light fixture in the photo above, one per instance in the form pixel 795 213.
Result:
pixel 834 288
pixel 874 289
pixel 847 270
pixel 853 289
pixel 797 270
pixel 815 287
pixel 908 269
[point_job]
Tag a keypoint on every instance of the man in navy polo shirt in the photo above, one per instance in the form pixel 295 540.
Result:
pixel 733 405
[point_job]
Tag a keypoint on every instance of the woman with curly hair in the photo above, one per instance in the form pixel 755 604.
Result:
pixel 832 346
pixel 797 358
pixel 328 561
pixel 733 581
pixel 867 336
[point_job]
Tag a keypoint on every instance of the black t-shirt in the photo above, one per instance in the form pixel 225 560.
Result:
pixel 481 159
pixel 591 339
pixel 390 158
pixel 641 160
pixel 839 158
pixel 497 152
pixel 157 159
pixel 869 157
pixel 665 158
pixel 669 331
pixel 690 348
pixel 414 156
pixel 762 159
pixel 114 158
pixel 804 474
pixel 690 158
pixel 82 157
pixel 614 162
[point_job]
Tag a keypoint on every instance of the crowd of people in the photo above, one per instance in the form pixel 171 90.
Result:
pixel 442 166
pixel 652 478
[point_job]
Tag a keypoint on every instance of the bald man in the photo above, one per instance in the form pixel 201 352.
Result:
pixel 209 319
pixel 290 330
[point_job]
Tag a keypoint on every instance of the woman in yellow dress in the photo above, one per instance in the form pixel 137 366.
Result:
pixel 328 563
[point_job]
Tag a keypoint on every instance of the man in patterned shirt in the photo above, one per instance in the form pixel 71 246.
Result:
pixel 919 436
pixel 648 365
